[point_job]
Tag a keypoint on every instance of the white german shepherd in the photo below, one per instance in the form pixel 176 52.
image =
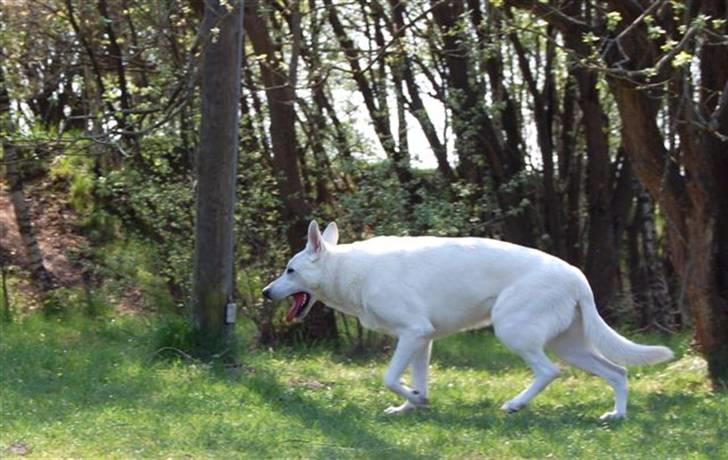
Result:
pixel 422 288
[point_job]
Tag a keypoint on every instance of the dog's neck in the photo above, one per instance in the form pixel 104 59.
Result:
pixel 341 288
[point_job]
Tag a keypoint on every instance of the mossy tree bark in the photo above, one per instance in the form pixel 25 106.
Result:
pixel 216 164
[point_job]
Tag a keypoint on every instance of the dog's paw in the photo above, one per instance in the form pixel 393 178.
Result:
pixel 418 399
pixel 398 410
pixel 613 415
pixel 511 407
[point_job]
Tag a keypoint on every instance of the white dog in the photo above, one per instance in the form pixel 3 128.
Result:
pixel 422 288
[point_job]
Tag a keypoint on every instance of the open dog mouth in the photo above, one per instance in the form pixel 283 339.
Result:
pixel 300 302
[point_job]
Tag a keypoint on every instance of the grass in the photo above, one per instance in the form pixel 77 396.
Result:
pixel 92 388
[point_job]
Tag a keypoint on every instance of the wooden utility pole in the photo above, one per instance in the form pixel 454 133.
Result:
pixel 216 169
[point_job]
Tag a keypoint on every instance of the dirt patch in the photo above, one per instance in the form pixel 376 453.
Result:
pixel 66 251
pixel 309 384
pixel 19 449
pixel 56 227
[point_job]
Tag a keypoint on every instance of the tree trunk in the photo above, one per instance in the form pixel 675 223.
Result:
pixel 657 289
pixel 602 258
pixel 116 55
pixel 320 323
pixel 375 103
pixel 403 66
pixel 281 106
pixel 217 160
pixel 7 311
pixel 478 141
pixel 693 204
pixel 649 286
pixel 637 272
pixel 690 188
pixel 463 97
pixel 38 271
pixel 543 111
pixel 570 172
pixel 708 188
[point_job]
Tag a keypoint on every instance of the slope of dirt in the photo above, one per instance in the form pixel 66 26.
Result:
pixel 56 227
pixel 66 251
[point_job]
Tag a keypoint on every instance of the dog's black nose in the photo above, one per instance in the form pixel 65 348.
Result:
pixel 266 293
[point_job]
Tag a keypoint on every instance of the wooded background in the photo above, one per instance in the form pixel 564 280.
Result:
pixel 594 130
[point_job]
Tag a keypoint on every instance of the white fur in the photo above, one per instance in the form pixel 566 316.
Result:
pixel 422 288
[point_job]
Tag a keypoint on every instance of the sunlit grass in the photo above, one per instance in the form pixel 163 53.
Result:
pixel 83 388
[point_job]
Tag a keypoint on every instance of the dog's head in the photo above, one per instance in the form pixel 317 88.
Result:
pixel 301 279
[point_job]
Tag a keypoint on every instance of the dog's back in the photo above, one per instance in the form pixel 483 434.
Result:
pixel 454 282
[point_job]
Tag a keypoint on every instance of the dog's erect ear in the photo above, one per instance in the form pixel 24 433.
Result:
pixel 315 240
pixel 331 234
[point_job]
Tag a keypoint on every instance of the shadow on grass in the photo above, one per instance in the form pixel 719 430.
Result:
pixel 478 350
pixel 349 429
pixel 65 371
pixel 651 416
pixel 55 373
pixel 71 368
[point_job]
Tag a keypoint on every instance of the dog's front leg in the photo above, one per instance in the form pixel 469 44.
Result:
pixel 410 346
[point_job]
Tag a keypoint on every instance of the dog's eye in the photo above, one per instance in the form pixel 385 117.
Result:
pixel 290 270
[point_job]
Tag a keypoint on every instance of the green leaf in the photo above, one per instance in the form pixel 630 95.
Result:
pixel 613 20
pixel 682 59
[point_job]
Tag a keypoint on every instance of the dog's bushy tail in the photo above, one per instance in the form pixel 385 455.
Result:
pixel 612 345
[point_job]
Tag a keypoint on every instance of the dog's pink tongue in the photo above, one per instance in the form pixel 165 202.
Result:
pixel 298 300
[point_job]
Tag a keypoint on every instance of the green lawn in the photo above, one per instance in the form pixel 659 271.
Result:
pixel 83 388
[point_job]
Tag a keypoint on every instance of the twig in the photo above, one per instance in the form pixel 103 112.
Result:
pixel 326 444
pixel 399 33
pixel 719 108
pixel 663 328
pixel 177 350
pixel 629 28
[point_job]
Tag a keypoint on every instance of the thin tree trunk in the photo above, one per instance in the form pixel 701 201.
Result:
pixel 320 323
pixel 602 259
pixel 657 292
pixel 478 141
pixel 402 67
pixel 570 172
pixel 321 173
pixel 7 313
pixel 281 99
pixel 543 110
pixel 375 103
pixel 638 284
pixel 463 98
pixel 341 137
pixel 98 74
pixel 116 55
pixel 38 271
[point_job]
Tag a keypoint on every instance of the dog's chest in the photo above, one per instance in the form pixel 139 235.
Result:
pixel 371 321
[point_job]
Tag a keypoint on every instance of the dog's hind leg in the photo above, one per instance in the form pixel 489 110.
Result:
pixel 526 330
pixel 411 345
pixel 420 366
pixel 571 346
pixel 544 373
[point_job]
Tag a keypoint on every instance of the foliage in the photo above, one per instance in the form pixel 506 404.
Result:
pixel 77 173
